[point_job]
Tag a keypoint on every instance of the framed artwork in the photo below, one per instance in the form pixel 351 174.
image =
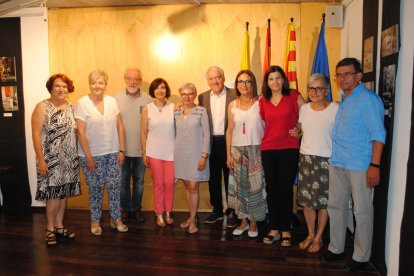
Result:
pixel 7 69
pixel 368 54
pixel 9 98
pixel 389 41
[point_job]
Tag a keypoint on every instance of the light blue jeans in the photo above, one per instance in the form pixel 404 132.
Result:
pixel 131 200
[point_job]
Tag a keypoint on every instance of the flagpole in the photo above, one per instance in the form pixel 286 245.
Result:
pixel 268 57
pixel 247 26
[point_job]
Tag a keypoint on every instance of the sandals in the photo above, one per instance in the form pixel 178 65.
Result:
pixel 269 239
pixel 192 228
pixel 64 234
pixel 306 243
pixel 286 241
pixel 185 224
pixel 50 239
pixel 315 246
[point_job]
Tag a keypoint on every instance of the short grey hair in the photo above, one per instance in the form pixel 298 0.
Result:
pixel 319 77
pixel 215 68
pixel 189 86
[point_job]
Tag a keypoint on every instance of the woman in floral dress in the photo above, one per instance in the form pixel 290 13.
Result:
pixel 316 120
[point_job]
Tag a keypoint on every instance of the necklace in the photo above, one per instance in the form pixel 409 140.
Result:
pixel 245 115
pixel 160 107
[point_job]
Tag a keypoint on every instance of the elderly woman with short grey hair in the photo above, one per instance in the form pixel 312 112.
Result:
pixel 192 148
pixel 316 121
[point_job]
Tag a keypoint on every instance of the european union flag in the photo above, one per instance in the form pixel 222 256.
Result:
pixel 320 61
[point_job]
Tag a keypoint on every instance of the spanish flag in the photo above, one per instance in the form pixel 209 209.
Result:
pixel 290 56
pixel 245 61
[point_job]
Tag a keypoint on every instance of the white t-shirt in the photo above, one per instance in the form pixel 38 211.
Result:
pixel 161 132
pixel 317 127
pixel 253 125
pixel 101 130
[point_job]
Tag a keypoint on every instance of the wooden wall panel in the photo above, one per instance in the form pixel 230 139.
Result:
pixel 114 38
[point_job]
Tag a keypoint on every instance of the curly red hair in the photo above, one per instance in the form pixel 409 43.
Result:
pixel 64 78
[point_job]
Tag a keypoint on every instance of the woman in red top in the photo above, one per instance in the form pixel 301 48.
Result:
pixel 279 109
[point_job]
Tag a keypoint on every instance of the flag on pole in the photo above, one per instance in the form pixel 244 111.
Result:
pixel 320 61
pixel 266 62
pixel 245 61
pixel 290 56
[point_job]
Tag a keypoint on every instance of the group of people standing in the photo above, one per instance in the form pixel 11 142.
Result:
pixel 256 144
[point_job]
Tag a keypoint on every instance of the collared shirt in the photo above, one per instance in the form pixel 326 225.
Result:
pixel 359 122
pixel 218 110
pixel 101 129
pixel 130 108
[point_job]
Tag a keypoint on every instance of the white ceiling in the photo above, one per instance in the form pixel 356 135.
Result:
pixel 7 6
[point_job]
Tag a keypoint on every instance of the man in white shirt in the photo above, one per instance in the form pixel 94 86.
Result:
pixel 216 101
pixel 130 102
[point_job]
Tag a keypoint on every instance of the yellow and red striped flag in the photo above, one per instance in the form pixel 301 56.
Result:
pixel 290 56
pixel 266 62
pixel 245 61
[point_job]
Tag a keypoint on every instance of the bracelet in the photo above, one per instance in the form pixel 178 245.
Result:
pixel 121 151
pixel 374 165
pixel 204 156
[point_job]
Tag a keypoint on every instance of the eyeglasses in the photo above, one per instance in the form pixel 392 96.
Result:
pixel 184 95
pixel 130 79
pixel 245 82
pixel 316 89
pixel 344 75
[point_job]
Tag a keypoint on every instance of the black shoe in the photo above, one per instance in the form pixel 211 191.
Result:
pixel 328 256
pixel 212 218
pixel 231 220
pixel 354 266
pixel 131 216
pixel 125 216
pixel 139 215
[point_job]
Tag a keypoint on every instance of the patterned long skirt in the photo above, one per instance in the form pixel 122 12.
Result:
pixel 313 181
pixel 247 188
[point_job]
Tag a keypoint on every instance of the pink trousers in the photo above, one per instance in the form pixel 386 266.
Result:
pixel 163 182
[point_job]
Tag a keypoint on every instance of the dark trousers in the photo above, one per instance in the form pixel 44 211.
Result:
pixel 280 168
pixel 218 169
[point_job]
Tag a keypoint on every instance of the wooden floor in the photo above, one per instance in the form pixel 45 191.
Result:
pixel 149 250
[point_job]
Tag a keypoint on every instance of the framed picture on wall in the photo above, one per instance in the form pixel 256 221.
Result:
pixel 368 54
pixel 389 78
pixel 9 98
pixel 389 41
pixel 7 69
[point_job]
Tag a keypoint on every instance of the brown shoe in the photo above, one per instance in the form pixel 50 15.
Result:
pixel 139 216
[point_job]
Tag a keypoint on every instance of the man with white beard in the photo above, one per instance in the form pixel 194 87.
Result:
pixel 130 103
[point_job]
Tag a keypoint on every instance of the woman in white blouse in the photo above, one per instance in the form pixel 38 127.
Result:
pixel 247 195
pixel 157 143
pixel 101 149
pixel 316 119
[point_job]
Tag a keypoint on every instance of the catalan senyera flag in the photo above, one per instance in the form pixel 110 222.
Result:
pixel 320 61
pixel 266 61
pixel 245 61
pixel 290 57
